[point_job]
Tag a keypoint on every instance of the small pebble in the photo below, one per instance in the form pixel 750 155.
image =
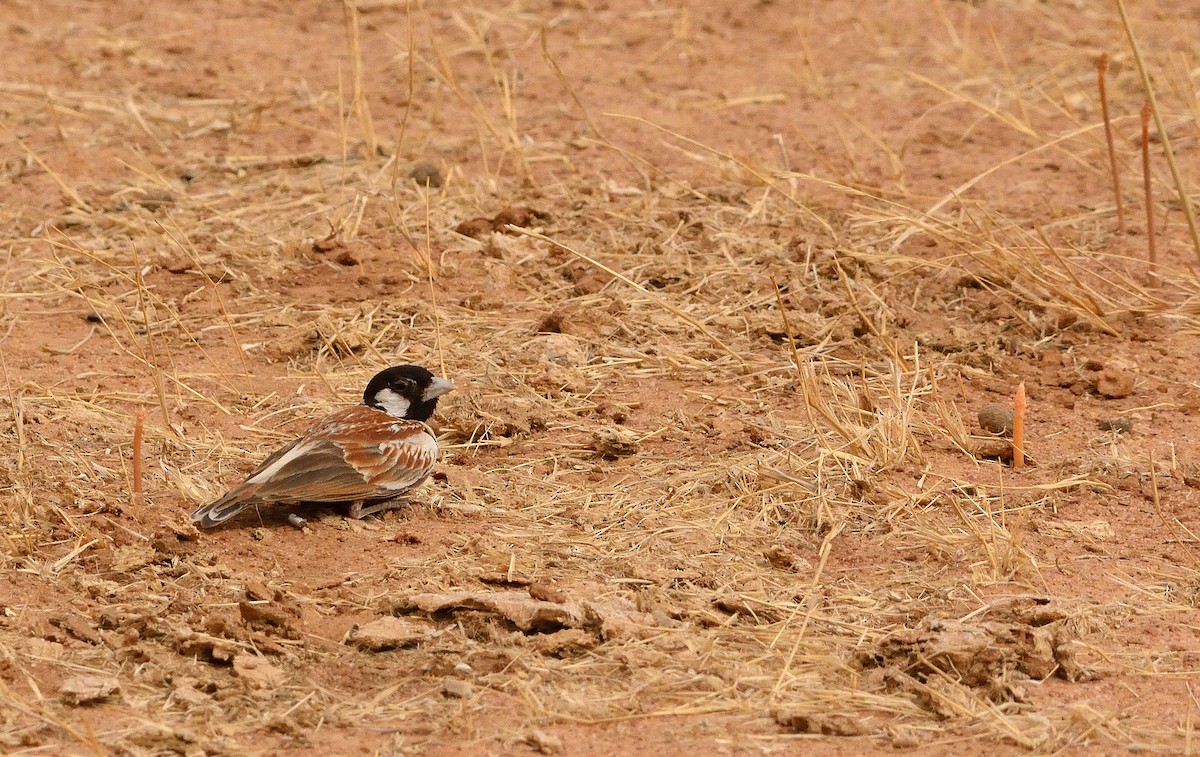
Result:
pixel 457 689
pixel 426 175
pixel 1114 384
pixel 463 667
pixel 88 689
pixel 997 419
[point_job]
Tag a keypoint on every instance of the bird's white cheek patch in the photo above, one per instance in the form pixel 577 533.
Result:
pixel 393 404
pixel 269 473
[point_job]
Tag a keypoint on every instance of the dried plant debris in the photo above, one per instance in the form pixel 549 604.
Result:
pixel 716 468
pixel 994 657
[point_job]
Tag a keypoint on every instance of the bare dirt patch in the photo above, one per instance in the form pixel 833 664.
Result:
pixel 725 289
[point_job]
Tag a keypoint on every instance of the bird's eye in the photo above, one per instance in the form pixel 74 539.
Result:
pixel 405 386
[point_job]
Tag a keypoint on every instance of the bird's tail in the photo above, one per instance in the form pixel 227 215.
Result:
pixel 215 513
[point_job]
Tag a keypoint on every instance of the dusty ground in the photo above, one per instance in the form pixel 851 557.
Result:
pixel 672 518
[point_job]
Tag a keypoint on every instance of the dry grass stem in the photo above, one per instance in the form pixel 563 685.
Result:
pixel 1148 191
pixel 1101 76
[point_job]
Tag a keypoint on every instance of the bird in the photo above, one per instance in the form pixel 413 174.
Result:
pixel 368 455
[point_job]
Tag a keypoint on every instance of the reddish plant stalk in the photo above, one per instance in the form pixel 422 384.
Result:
pixel 1019 406
pixel 139 423
pixel 1151 249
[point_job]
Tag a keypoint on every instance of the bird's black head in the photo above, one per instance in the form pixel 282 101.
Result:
pixel 406 391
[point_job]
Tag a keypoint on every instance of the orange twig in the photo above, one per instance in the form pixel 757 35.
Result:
pixel 1101 74
pixel 1019 406
pixel 138 424
pixel 1151 251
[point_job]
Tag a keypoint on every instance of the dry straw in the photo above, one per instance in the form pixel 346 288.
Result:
pixel 710 418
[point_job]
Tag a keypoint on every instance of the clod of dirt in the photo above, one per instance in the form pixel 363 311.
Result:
pixel 565 644
pixel 544 743
pixel 474 227
pixel 327 244
pixel 84 690
pixel 77 627
pixel 995 449
pixel 389 633
pixel 150 199
pixel 1114 383
pixel 560 349
pixel 557 322
pixel 190 696
pixel 754 612
pixel 426 175
pixel 824 724
pixel 178 265
pixel 614 442
pixel 456 688
pixel 482 301
pixel 204 647
pixel 611 619
pixel 785 558
pixel 518 608
pixel 521 215
pixel 347 257
pixel 1120 425
pixel 257 591
pixel 263 615
pixel 592 282
pixel 132 557
pixel 258 671
pixel 546 593
pixel 997 419
pixel 504 578
pixel 990 655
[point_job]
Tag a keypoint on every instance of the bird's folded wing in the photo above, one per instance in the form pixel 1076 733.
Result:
pixel 338 471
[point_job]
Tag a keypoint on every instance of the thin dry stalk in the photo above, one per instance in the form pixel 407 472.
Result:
pixel 1148 189
pixel 139 424
pixel 1101 76
pixel 1018 437
pixel 787 327
pixel 358 95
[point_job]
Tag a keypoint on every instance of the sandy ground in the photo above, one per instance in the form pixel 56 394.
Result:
pixel 724 287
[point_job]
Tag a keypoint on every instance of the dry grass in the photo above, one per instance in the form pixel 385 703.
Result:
pixel 724 406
